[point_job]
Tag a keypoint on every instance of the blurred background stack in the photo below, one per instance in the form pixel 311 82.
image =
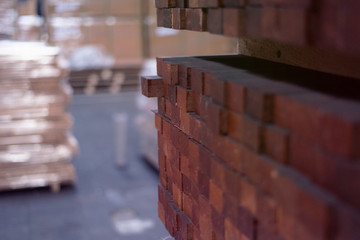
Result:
pixel 36 146
pixel 7 18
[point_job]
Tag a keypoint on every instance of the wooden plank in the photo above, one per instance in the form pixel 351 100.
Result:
pixel 310 58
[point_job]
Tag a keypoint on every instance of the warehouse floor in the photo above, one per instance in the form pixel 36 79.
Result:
pixel 107 202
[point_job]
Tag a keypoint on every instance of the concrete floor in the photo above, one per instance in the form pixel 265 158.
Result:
pixel 107 202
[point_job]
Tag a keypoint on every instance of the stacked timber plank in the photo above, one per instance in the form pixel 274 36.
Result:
pixel 8 17
pixel 107 80
pixel 36 146
pixel 331 24
pixel 251 149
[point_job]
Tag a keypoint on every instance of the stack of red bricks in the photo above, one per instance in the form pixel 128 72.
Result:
pixel 250 149
pixel 331 24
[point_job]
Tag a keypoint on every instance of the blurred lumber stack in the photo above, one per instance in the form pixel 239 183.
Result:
pixel 8 17
pixel 252 149
pixel 36 144
pixel 107 80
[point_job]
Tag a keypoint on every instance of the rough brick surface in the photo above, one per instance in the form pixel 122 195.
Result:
pixel 242 156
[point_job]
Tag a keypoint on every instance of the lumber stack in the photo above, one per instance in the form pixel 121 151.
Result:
pixel 251 149
pixel 8 17
pixel 36 146
pixel 106 80
pixel 309 23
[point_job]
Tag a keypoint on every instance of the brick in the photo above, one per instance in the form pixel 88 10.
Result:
pixel 233 184
pixel 196 235
pixel 185 99
pixel 165 3
pixel 164 195
pixel 277 144
pixel 185 122
pixel 260 105
pixel 179 139
pixel 233 22
pixel 205 219
pixel 211 3
pixel 260 170
pixel 177 196
pixel 323 120
pixel 291 3
pixel 235 97
pixel 172 155
pixel 265 234
pixel 234 3
pixel 266 211
pixel 216 90
pixel 260 96
pixel 197 80
pixel 347 175
pixel 218 173
pixel 185 76
pixel 187 205
pixel 166 129
pixel 253 134
pixel 214 20
pixel 176 177
pixel 195 125
pixel 235 126
pixel 217 220
pixel 161 106
pixel 170 218
pixel 254 22
pixel 162 169
pixel 233 152
pixel 203 107
pixel 231 231
pixel 347 222
pixel 216 197
pixel 194 3
pixel 231 208
pixel 288 25
pixel 248 195
pixel 194 164
pixel 340 131
pixel 197 101
pixel 162 162
pixel 159 66
pixel 158 122
pixel 311 161
pixel 161 212
pixel 289 228
pixel 246 223
pixel 172 113
pixel 164 18
pixel 185 227
pixel 185 165
pixel 216 118
pixel 315 210
pixel 308 204
pixel 171 94
pixel 196 19
pixel 178 18
pixel 195 213
pixel 203 183
pixel 170 73
pixel 204 161
pixel 152 86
